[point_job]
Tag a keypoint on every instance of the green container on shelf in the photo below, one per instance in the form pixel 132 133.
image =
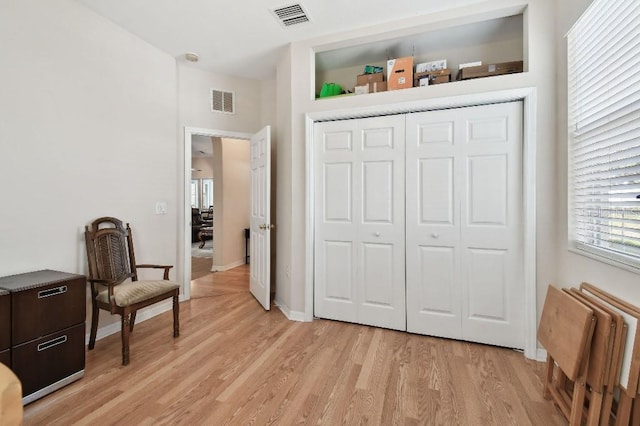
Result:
pixel 372 69
pixel 330 89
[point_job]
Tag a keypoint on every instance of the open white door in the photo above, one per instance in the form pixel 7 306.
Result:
pixel 260 269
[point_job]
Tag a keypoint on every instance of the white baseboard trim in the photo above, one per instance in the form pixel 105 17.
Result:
pixel 291 315
pixel 142 315
pixel 220 268
pixel 541 355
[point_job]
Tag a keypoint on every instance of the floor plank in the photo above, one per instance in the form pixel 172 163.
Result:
pixel 200 267
pixel 234 363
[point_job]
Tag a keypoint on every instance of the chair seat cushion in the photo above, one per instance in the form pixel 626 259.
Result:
pixel 131 292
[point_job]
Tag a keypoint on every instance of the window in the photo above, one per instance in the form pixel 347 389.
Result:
pixel 207 193
pixel 604 131
pixel 195 200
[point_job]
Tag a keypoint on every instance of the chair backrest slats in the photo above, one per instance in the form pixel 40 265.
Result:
pixel 110 250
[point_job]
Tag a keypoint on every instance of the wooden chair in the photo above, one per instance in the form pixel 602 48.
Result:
pixel 113 274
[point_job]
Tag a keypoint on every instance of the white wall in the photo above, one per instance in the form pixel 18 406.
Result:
pixel 195 86
pixel 203 166
pixel 540 33
pixel 82 103
pixel 284 225
pixel 194 110
pixel 235 205
pixel 574 268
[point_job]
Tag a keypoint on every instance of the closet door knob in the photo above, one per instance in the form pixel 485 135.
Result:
pixel 376 234
pixel 434 235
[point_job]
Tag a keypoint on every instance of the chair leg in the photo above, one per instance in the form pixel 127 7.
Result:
pixel 125 337
pixel 95 314
pixel 133 321
pixel 176 314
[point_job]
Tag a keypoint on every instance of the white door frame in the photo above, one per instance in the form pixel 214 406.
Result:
pixel 528 97
pixel 184 231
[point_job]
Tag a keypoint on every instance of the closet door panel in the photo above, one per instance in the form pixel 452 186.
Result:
pixel 377 188
pixel 381 232
pixel 464 235
pixel 335 287
pixel 432 303
pixel 487 190
pixel 433 258
pixel 436 200
pixel 491 226
pixel 487 284
pixel 336 192
pixel 359 221
pixel 377 262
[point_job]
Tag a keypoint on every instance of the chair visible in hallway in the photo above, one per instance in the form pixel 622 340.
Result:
pixel 113 274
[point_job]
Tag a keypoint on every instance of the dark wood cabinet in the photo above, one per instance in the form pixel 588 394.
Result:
pixel 47 329
pixel 5 328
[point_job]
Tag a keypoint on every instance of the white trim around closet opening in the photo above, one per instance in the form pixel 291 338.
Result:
pixel 528 97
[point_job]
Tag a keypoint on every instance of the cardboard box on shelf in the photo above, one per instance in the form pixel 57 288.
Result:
pixel 378 86
pixel 489 70
pixel 373 87
pixel 400 73
pixel 363 79
pixel 432 77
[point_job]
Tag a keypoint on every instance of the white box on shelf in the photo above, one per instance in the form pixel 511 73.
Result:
pixel 361 90
pixel 432 66
pixel 470 64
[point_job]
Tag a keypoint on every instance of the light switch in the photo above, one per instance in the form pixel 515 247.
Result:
pixel 161 207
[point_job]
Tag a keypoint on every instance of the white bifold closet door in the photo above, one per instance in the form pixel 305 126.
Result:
pixel 359 273
pixel 464 224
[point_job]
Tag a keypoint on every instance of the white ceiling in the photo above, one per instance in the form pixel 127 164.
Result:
pixel 201 146
pixel 242 37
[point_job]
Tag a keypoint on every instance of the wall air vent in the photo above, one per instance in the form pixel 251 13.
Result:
pixel 223 101
pixel 291 15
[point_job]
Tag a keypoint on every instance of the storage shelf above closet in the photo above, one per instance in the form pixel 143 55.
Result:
pixel 490 41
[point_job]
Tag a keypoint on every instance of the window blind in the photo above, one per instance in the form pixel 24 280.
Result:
pixel 603 49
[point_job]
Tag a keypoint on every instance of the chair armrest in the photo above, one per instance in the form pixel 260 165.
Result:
pixel 165 267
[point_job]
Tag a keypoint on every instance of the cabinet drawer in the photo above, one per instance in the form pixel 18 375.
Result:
pixel 42 310
pixel 5 358
pixel 49 359
pixel 5 320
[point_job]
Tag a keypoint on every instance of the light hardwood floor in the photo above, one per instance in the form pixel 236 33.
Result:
pixel 234 363
pixel 200 267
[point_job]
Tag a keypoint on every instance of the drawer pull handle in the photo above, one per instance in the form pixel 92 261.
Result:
pixel 51 343
pixel 52 292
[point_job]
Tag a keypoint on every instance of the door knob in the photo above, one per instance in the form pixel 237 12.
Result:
pixel 376 234
pixel 262 226
pixel 434 235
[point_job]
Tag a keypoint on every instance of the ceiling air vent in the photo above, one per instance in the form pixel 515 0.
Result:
pixel 291 15
pixel 222 101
